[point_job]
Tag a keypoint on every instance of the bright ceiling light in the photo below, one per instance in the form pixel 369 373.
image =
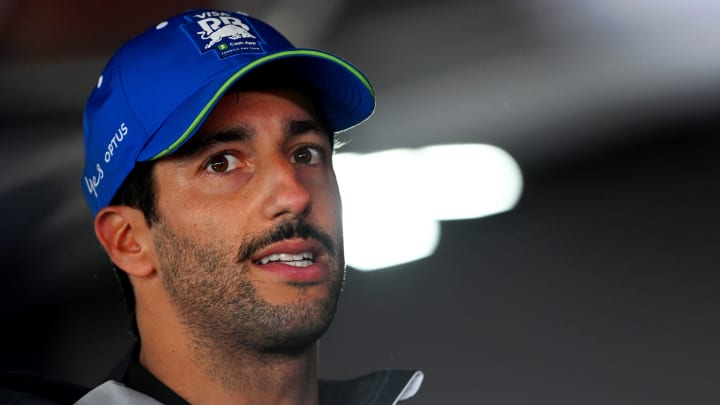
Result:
pixel 393 200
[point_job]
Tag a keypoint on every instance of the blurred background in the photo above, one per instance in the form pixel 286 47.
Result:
pixel 599 286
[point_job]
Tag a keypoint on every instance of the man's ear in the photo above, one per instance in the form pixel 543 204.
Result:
pixel 125 235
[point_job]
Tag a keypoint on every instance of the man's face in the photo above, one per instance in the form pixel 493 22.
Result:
pixel 249 238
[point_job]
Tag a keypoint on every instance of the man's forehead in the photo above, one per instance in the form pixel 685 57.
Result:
pixel 298 95
pixel 282 104
pixel 225 125
pixel 229 110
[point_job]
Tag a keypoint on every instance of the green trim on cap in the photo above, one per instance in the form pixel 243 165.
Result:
pixel 302 52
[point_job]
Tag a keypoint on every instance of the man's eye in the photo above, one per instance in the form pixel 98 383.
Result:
pixel 306 156
pixel 221 163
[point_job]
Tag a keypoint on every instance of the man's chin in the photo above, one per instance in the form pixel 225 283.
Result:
pixel 300 296
pixel 298 336
pixel 295 346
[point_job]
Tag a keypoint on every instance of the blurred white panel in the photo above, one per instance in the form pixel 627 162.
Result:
pixel 467 180
pixel 393 200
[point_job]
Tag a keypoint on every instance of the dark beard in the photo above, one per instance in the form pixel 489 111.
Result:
pixel 217 302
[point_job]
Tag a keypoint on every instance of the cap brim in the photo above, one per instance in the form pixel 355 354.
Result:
pixel 343 93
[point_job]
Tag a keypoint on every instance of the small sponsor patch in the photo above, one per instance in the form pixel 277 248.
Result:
pixel 224 33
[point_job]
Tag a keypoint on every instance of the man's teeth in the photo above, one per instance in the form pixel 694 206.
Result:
pixel 300 260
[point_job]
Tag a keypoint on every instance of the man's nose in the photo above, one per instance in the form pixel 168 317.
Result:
pixel 285 192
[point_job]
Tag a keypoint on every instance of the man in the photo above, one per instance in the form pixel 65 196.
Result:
pixel 209 142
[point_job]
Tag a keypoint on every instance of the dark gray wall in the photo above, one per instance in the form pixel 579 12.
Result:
pixel 599 287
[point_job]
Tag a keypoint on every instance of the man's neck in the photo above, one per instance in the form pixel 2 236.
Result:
pixel 202 376
pixel 202 373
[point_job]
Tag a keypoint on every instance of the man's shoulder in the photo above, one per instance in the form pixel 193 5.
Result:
pixel 382 387
pixel 32 389
pixel 114 393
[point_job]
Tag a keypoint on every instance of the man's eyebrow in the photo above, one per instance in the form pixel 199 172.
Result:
pixel 199 143
pixel 299 127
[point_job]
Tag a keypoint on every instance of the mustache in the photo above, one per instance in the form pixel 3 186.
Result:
pixel 286 230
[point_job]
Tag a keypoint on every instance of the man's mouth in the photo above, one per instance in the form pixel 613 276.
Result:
pixel 303 259
pixel 284 243
pixel 297 261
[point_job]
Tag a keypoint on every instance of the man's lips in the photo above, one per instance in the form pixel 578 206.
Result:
pixel 301 260
pixel 289 250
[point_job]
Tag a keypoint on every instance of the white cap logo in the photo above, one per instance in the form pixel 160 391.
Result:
pixel 217 29
pixel 226 33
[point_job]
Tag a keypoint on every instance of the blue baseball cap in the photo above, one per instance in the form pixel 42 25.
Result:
pixel 158 88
